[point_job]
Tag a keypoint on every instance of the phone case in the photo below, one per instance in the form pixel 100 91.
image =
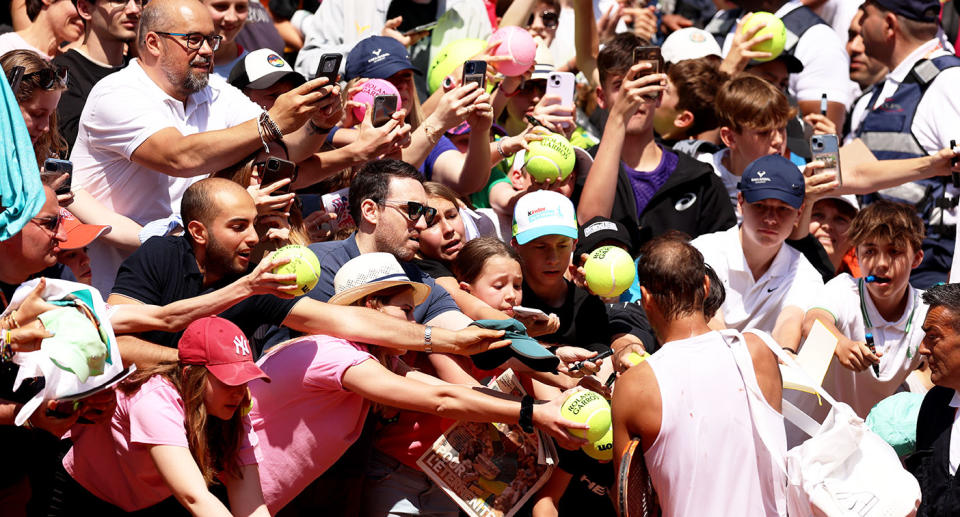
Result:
pixel 563 85
pixel 383 108
pixel 826 148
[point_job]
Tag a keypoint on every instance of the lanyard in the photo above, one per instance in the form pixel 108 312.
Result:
pixel 866 316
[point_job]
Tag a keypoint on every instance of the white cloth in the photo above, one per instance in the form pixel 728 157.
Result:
pixel 825 62
pixel 839 14
pixel 706 427
pixel 13 41
pixel 955 435
pixel 729 179
pixel 122 111
pixel 790 281
pixel 898 340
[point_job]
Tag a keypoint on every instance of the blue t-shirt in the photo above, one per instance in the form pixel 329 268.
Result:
pixel 334 254
pixel 645 184
pixel 443 145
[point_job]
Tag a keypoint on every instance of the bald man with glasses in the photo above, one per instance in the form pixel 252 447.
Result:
pixel 151 130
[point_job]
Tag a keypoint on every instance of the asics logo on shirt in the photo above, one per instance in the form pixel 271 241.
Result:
pixel 685 202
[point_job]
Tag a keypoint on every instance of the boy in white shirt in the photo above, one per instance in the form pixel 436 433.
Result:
pixel 768 285
pixel 887 237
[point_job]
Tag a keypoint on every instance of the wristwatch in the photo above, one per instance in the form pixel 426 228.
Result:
pixel 526 414
pixel 427 334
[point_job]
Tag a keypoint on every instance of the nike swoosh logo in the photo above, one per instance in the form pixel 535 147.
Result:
pixel 773 289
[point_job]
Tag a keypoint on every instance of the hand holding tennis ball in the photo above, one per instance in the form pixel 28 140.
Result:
pixel 609 271
pixel 774 27
pixel 303 263
pixel 587 407
pixel 550 158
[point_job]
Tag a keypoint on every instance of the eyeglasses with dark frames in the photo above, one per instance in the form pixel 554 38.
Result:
pixel 50 223
pixel 413 210
pixel 194 40
pixel 550 19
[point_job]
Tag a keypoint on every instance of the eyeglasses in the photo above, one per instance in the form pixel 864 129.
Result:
pixel 413 210
pixel 550 19
pixel 46 78
pixel 138 3
pixel 195 39
pixel 51 223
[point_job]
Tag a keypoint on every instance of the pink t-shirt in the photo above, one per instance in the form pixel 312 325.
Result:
pixel 113 461
pixel 305 419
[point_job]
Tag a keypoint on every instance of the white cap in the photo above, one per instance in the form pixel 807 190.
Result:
pixel 849 199
pixel 262 69
pixel 689 43
pixel 543 212
pixel 543 62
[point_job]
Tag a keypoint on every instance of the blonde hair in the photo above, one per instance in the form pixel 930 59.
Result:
pixel 747 101
pixel 51 143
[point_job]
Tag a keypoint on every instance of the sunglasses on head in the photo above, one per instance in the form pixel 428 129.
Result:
pixel 46 78
pixel 413 210
pixel 550 19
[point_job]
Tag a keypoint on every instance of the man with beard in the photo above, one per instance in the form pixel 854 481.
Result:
pixel 109 26
pixel 148 131
pixel 218 217
pixel 389 205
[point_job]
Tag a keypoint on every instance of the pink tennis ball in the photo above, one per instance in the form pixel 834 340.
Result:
pixel 368 91
pixel 516 43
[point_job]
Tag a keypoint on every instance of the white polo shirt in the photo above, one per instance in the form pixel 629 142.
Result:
pixel 825 62
pixel 848 300
pixel 790 281
pixel 730 180
pixel 121 112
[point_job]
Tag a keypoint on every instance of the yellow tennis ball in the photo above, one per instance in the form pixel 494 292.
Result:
pixel 303 263
pixel 634 358
pixel 774 26
pixel 609 271
pixel 601 449
pixel 590 408
pixel 551 158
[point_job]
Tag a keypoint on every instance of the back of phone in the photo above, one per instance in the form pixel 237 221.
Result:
pixel 384 107
pixel 826 148
pixel 563 85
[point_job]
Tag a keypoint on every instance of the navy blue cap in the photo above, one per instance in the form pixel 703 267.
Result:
pixel 919 10
pixel 377 57
pixel 772 177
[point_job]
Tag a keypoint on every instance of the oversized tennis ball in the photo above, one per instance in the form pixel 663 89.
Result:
pixel 609 271
pixel 601 449
pixel 368 91
pixel 449 58
pixel 590 408
pixel 774 26
pixel 551 158
pixel 518 45
pixel 303 263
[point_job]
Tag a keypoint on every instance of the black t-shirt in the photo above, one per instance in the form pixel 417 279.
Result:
pixel 583 319
pixel 164 270
pixel 83 75
pixel 589 490
pixel 630 318
pixel 432 267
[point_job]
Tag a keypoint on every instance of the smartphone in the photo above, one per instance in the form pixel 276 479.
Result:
pixel 384 107
pixel 329 67
pixel 421 28
pixel 55 168
pixel 563 85
pixel 520 310
pixel 826 148
pixel 277 169
pixel 15 78
pixel 955 176
pixel 649 55
pixel 475 72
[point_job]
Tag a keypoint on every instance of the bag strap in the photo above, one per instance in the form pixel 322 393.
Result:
pixel 792 363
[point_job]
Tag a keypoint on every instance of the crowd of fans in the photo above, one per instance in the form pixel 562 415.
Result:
pixel 141 144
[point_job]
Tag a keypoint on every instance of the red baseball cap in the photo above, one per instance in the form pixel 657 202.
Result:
pixel 221 346
pixel 79 235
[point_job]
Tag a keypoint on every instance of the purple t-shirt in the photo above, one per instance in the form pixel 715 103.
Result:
pixel 646 183
pixel 443 145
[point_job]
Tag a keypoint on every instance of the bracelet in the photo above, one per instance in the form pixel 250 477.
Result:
pixel 319 129
pixel 27 424
pixel 433 133
pixel 6 351
pixel 427 336
pixel 526 414
pixel 513 93
pixel 273 127
pixel 260 129
pixel 788 349
pixel 10 321
pixel 503 156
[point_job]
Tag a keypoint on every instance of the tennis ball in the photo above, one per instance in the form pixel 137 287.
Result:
pixel 368 91
pixel 303 263
pixel 601 449
pixel 551 158
pixel 774 26
pixel 609 271
pixel 590 408
pixel 449 58
pixel 516 43
pixel 634 358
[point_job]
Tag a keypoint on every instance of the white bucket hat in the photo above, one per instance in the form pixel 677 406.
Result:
pixel 369 273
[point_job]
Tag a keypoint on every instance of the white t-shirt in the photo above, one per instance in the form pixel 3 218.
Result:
pixel 12 41
pixel 121 112
pixel 825 62
pixel 729 179
pixel 839 14
pixel 790 281
pixel 854 311
pixel 955 436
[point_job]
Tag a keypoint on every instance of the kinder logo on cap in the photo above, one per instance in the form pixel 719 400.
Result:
pixel 275 60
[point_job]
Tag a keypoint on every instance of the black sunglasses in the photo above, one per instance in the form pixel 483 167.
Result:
pixel 414 210
pixel 51 223
pixel 46 78
pixel 550 19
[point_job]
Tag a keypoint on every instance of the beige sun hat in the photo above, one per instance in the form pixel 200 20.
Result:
pixel 370 273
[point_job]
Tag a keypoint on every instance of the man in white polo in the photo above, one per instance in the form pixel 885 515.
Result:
pixel 150 130
pixel 769 285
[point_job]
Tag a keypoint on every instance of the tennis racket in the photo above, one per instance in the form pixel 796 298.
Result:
pixel 635 495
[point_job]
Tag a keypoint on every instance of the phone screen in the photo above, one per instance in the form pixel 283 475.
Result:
pixel 384 107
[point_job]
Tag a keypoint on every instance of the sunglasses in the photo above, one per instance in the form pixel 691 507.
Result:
pixel 550 19
pixel 46 78
pixel 413 210
pixel 51 224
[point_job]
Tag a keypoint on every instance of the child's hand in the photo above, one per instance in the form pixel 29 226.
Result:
pixel 539 326
pixel 855 355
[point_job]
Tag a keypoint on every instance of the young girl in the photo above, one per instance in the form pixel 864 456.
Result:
pixel 175 430
pixel 324 387
pixel 490 270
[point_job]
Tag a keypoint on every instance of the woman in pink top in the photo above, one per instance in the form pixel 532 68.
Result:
pixel 323 387
pixel 176 428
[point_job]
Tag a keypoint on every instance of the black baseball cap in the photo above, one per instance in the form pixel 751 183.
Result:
pixel 600 230
pixel 918 10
